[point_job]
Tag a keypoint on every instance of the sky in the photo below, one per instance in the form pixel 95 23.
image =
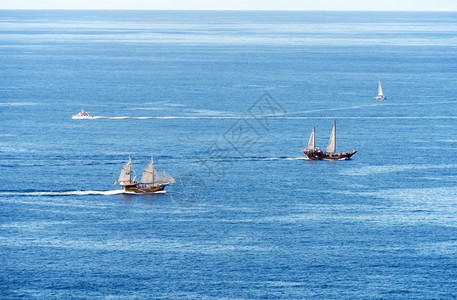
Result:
pixel 389 5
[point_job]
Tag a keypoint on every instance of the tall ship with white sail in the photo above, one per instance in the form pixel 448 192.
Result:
pixel 313 153
pixel 151 180
pixel 380 95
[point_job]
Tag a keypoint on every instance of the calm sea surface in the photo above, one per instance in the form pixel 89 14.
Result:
pixel 225 101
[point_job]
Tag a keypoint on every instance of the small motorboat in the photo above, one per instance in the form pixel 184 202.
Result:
pixel 82 115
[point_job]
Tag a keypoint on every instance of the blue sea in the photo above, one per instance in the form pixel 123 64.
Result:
pixel 224 102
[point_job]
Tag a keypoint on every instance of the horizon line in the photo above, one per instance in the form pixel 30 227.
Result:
pixel 220 10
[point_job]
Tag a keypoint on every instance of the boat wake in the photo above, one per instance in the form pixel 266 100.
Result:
pixel 289 117
pixel 167 117
pixel 284 158
pixel 258 158
pixel 71 193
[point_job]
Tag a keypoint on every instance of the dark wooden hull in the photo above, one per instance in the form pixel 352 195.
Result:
pixel 339 156
pixel 144 189
pixel 314 154
pixel 320 155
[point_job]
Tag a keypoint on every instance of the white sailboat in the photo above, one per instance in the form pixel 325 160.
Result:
pixel 380 95
pixel 151 179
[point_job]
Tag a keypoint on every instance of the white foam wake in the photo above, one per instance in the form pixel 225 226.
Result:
pixel 70 193
pixel 297 158
pixel 284 158
pixel 166 117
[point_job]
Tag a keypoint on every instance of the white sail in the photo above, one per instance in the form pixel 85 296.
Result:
pixel 168 177
pixel 311 144
pixel 159 178
pixel 126 172
pixel 148 174
pixel 331 147
pixel 380 94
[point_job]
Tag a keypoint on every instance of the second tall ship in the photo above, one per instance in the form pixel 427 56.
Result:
pixel 151 180
pixel 314 153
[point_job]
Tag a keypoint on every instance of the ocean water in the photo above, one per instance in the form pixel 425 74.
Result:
pixel 224 102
